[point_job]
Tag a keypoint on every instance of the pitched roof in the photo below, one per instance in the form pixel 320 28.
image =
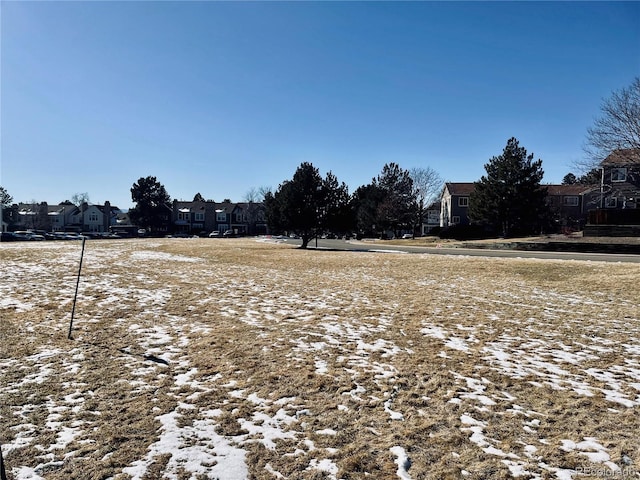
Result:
pixel 575 189
pixel 623 156
pixel 460 188
pixel 225 207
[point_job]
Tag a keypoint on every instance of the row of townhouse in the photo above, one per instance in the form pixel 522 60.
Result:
pixel 616 200
pixel 64 217
pixel 182 217
pixel 244 218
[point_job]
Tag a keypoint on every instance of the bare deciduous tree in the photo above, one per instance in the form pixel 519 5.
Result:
pixel 79 199
pixel 256 194
pixel 427 184
pixel 254 209
pixel 618 127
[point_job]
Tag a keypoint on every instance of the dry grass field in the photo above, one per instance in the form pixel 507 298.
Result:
pixel 232 359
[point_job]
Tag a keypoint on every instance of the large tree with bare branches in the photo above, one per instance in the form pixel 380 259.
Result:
pixel 618 126
pixel 427 185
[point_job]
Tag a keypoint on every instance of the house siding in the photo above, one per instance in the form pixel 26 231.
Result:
pixel 453 211
pixel 204 217
pixel 621 180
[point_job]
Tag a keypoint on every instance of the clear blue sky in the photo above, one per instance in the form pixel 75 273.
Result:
pixel 220 97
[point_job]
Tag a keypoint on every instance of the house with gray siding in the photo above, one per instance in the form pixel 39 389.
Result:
pixel 245 218
pixel 618 198
pixel 454 204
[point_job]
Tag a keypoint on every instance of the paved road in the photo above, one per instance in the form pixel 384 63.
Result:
pixel 475 252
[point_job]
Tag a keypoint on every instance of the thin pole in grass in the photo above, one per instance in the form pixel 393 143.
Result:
pixel 3 474
pixel 73 310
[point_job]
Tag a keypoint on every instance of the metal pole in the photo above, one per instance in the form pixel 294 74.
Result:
pixel 73 310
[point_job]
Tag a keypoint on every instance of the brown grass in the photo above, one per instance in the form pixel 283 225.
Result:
pixel 332 344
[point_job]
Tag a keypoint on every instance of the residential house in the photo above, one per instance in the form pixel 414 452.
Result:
pixel 66 217
pixel 431 218
pixel 199 217
pixel 618 211
pixel 569 205
pixel 252 217
pixel 91 218
pixel 226 216
pixel 58 216
pixel 98 218
pixel 30 216
pixel 621 180
pixel 454 204
pixel 122 226
pixel 192 217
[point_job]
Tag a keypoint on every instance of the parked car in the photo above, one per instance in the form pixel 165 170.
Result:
pixel 26 235
pixel 228 234
pixel 72 236
pixel 8 237
pixel 215 234
pixel 42 233
pixel 407 235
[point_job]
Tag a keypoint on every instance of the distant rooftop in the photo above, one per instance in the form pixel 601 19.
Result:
pixel 624 156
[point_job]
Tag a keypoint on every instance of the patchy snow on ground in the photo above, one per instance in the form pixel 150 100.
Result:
pixel 182 366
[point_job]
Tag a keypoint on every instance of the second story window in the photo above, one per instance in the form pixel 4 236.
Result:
pixel 618 174
pixel 93 217
pixel 221 217
pixel 199 217
pixel 463 201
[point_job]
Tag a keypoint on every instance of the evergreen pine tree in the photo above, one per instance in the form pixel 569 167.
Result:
pixel 509 198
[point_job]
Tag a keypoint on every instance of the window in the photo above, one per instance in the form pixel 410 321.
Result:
pixel 199 217
pixel 610 202
pixel 463 201
pixel 93 217
pixel 221 217
pixel 618 174
pixel 455 220
pixel 571 201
